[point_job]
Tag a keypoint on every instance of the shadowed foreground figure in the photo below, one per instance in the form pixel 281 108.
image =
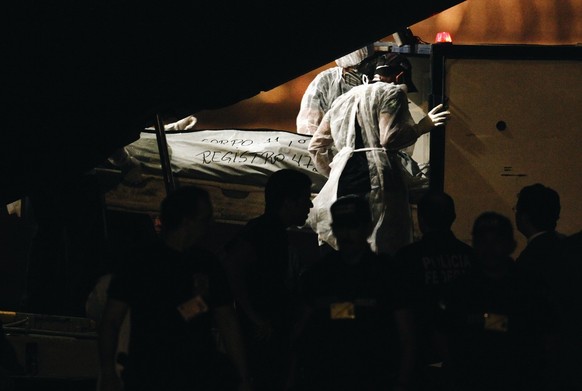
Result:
pixel 425 268
pixel 537 212
pixel 496 320
pixel 569 360
pixel 555 260
pixel 177 294
pixel 352 335
pixel 258 263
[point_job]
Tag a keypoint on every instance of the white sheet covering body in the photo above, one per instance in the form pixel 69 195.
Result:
pixel 233 164
pixel 230 155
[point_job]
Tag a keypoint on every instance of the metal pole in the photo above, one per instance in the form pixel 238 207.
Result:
pixel 164 155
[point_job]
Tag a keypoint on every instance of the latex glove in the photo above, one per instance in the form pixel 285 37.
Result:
pixel 436 117
pixel 183 124
pixel 439 116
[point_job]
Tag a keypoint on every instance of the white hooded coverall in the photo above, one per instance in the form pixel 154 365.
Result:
pixel 381 110
pixel 326 87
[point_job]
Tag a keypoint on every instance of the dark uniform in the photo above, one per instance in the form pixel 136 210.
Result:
pixel 496 328
pixel 269 285
pixel 171 297
pixel 423 269
pixel 349 342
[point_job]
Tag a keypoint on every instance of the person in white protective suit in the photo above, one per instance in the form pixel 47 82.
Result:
pixel 352 70
pixel 356 146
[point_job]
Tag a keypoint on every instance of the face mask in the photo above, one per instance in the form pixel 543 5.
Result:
pixel 353 78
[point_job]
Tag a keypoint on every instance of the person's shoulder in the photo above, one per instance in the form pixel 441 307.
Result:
pixel 575 237
pixel 249 230
pixel 393 91
pixel 326 76
pixel 408 249
pixel 388 93
pixel 333 71
pixel 380 261
pixel 380 85
pixel 445 239
pixel 542 244
pixel 573 243
pixel 551 237
pixel 462 246
pixel 409 253
pixel 381 256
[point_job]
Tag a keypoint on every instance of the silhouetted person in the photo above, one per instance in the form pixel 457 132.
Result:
pixel 178 294
pixel 425 267
pixel 569 294
pixel 495 318
pixel 537 212
pixel 127 233
pixel 351 334
pixel 257 260
pixel 94 307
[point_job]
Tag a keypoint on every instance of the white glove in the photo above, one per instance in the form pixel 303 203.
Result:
pixel 438 116
pixel 435 117
pixel 186 123
pixel 183 124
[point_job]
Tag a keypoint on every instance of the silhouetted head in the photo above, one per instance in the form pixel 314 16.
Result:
pixel 395 68
pixel 436 211
pixel 539 206
pixel 493 236
pixel 288 195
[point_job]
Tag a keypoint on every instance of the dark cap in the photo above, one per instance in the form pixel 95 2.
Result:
pixel 393 63
pixel 350 210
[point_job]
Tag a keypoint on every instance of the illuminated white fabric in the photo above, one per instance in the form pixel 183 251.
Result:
pixel 387 126
pixel 229 155
pixel 355 57
pixel 318 97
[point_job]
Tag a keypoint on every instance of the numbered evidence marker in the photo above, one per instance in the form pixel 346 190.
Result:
pixel 193 307
pixel 344 310
pixel 495 322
